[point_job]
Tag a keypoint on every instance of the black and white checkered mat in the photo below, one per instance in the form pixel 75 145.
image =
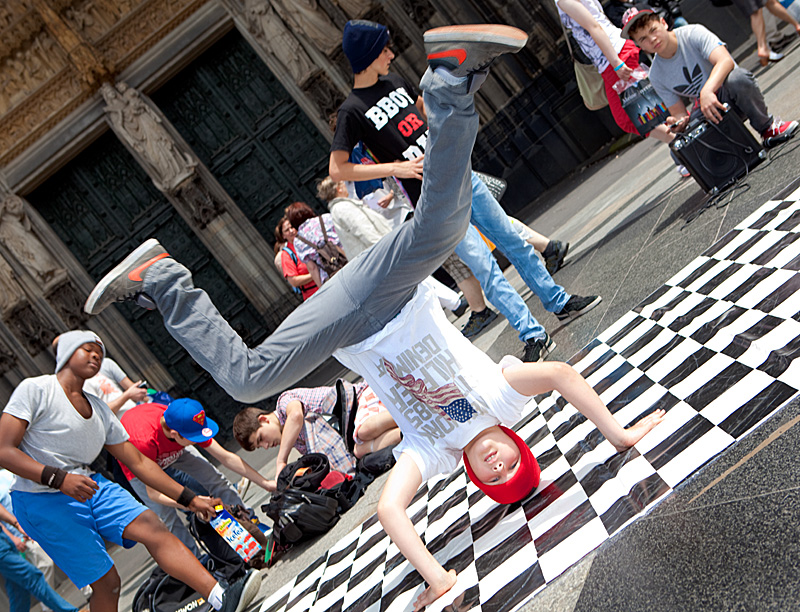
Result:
pixel 715 346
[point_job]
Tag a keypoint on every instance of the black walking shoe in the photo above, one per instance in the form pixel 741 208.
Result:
pixel 577 306
pixel 125 281
pixel 240 593
pixel 478 321
pixel 555 259
pixel 466 49
pixel 461 308
pixel 536 349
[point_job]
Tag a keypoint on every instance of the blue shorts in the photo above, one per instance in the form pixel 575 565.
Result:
pixel 72 533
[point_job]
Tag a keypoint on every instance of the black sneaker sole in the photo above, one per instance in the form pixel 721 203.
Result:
pixel 781 138
pixel 559 260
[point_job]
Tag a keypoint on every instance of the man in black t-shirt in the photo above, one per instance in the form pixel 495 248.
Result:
pixel 387 114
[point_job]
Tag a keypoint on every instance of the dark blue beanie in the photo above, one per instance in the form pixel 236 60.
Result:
pixel 363 41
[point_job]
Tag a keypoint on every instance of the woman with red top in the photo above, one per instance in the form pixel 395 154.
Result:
pixel 294 270
pixel 307 227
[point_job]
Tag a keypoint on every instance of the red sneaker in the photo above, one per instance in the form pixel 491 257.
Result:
pixel 778 132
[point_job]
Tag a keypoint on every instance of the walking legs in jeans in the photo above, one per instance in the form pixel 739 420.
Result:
pixel 489 217
pixel 24 580
pixel 498 290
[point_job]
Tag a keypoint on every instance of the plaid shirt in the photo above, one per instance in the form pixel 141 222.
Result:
pixel 317 436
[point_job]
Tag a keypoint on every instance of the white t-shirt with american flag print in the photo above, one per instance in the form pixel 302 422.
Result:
pixel 441 390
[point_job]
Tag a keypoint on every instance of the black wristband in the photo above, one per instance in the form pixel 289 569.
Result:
pixel 186 497
pixel 53 477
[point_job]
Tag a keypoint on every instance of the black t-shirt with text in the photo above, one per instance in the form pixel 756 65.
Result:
pixel 386 119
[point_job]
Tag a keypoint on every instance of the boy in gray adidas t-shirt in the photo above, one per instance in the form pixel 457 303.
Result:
pixel 692 62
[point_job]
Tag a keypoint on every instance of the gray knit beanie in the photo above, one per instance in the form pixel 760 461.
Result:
pixel 71 341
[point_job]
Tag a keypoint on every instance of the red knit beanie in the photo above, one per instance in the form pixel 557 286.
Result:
pixel 524 481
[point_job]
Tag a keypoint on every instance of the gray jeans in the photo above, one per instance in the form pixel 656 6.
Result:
pixel 190 462
pixel 741 91
pixel 357 302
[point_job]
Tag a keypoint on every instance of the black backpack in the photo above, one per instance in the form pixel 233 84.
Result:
pixel 297 510
pixel 331 256
pixel 377 463
pixel 305 474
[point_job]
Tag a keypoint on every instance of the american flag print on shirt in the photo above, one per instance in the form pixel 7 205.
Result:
pixel 447 399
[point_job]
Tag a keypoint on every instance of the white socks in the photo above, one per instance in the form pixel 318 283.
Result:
pixel 215 596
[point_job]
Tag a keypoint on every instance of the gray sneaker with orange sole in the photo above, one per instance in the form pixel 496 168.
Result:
pixel 125 281
pixel 468 50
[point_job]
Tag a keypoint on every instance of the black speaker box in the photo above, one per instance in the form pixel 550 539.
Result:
pixel 717 155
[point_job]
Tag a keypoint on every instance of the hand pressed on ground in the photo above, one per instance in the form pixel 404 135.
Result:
pixel 435 591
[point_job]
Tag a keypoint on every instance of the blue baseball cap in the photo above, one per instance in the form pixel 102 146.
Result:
pixel 188 418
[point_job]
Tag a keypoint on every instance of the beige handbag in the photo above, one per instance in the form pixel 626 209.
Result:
pixel 590 83
pixel 591 86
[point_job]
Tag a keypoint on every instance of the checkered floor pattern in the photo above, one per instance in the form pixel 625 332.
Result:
pixel 715 346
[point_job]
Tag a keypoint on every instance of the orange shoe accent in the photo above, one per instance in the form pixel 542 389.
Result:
pixel 459 54
pixel 136 273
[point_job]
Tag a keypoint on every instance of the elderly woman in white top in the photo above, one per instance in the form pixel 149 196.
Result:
pixel 357 225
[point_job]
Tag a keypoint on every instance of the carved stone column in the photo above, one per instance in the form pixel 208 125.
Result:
pixel 195 193
pixel 306 65
pixel 27 272
pixel 25 325
pixel 42 290
pixel 26 248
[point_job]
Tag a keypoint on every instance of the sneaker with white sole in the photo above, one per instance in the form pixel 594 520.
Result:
pixel 778 132
pixel 468 50
pixel 239 594
pixel 577 306
pixel 125 281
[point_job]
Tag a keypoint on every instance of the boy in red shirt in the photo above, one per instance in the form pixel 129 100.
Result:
pixel 166 435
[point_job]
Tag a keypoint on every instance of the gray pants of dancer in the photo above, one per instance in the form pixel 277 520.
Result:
pixel 190 462
pixel 357 302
